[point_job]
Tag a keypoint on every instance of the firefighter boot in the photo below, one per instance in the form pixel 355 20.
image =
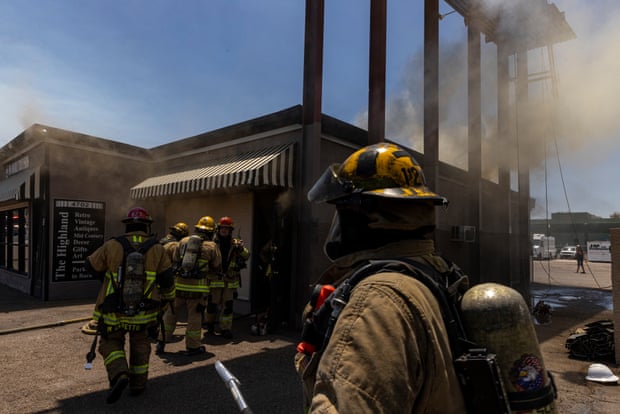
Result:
pixel 195 351
pixel 117 389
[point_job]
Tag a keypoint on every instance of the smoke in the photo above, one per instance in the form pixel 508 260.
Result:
pixel 30 114
pixel 588 69
pixel 404 108
pixel 577 131
pixel 284 201
pixel 21 108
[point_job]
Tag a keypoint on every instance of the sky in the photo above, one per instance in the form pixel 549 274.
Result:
pixel 149 72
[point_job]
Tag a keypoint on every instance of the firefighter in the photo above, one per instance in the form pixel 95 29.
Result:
pixel 389 350
pixel 223 289
pixel 171 240
pixel 196 259
pixel 137 281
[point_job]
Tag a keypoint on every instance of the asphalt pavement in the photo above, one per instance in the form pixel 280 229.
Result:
pixel 42 357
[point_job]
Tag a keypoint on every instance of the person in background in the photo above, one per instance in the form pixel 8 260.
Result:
pixel 223 289
pixel 196 259
pixel 389 351
pixel 137 281
pixel 579 256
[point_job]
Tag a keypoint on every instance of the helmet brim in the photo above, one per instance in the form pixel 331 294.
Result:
pixel 331 188
pixel 137 220
pixel 419 193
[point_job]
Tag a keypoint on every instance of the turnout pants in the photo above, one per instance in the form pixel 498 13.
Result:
pixel 222 299
pixel 195 307
pixel 112 349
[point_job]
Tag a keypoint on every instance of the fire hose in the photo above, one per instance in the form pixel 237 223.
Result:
pixel 43 325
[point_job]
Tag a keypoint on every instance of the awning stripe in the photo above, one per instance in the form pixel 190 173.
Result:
pixel 24 185
pixel 267 167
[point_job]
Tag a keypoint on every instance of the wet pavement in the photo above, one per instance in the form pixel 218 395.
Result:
pixel 557 284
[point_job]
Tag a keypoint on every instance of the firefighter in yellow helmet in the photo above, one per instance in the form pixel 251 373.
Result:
pixel 137 280
pixel 389 350
pixel 196 259
pixel 223 289
pixel 171 240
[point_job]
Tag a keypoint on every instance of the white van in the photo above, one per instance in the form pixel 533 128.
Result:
pixel 568 252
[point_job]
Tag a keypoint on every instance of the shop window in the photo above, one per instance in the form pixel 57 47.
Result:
pixel 14 239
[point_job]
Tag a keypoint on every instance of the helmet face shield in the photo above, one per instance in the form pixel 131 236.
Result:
pixel 329 186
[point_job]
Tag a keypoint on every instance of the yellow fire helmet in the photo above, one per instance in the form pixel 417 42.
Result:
pixel 379 170
pixel 180 229
pixel 205 223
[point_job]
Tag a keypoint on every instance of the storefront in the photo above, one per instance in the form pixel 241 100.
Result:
pixel 65 193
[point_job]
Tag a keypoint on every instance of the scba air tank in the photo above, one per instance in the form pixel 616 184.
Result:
pixel 192 251
pixel 135 279
pixel 496 317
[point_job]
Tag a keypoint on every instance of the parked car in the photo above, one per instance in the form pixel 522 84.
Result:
pixel 568 252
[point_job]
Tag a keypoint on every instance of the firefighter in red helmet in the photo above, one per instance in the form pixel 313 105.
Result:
pixel 137 282
pixel 223 289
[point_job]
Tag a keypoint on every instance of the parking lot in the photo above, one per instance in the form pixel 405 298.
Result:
pixel 562 272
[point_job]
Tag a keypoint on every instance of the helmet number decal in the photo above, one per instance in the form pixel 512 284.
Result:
pixel 412 176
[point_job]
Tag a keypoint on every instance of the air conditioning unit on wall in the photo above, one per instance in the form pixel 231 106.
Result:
pixel 465 234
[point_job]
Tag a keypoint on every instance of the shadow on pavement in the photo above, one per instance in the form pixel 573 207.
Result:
pixel 14 300
pixel 267 385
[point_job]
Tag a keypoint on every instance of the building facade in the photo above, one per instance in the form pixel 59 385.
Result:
pixel 65 193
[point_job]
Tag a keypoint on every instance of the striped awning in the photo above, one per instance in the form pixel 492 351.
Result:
pixel 267 167
pixel 24 185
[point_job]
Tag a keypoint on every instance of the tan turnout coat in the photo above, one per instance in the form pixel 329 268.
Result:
pixel 389 352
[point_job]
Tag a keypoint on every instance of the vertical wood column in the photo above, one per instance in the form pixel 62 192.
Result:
pixel 523 172
pixel 376 73
pixel 474 140
pixel 431 93
pixel 503 155
pixel 308 160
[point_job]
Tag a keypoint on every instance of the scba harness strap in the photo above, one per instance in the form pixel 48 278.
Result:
pixel 446 287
